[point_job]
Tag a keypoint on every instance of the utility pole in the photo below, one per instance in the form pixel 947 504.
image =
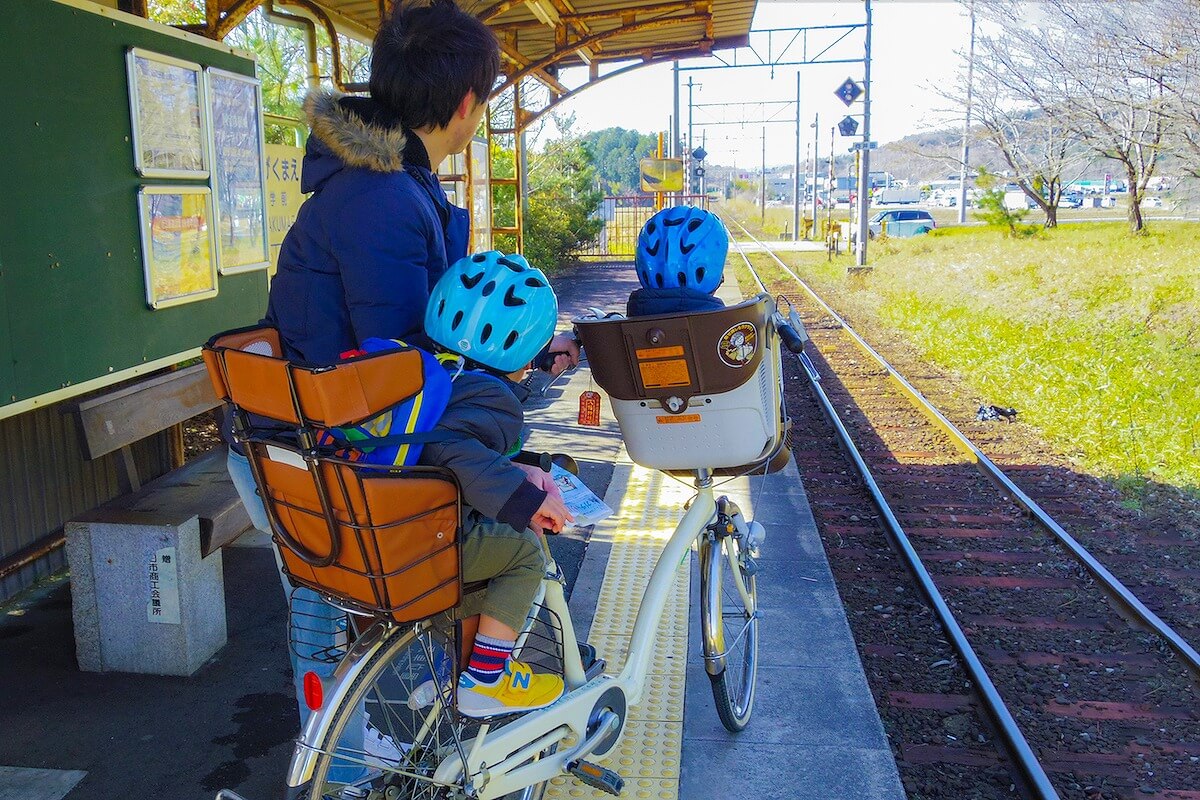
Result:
pixel 690 145
pixel 966 142
pixel 831 187
pixel 797 198
pixel 816 126
pixel 675 125
pixel 762 182
pixel 864 173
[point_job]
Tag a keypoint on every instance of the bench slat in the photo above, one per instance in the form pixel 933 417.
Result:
pixel 117 419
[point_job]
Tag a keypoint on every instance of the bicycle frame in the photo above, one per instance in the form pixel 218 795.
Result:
pixel 592 712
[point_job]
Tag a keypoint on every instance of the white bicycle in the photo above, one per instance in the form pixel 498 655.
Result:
pixel 704 388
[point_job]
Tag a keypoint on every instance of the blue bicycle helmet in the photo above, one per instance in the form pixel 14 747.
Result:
pixel 493 309
pixel 682 246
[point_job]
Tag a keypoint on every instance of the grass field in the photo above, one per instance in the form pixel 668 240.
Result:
pixel 1094 335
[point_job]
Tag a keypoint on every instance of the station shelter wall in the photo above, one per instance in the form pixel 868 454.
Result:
pixel 73 306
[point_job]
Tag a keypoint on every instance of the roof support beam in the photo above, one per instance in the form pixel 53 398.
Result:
pixel 499 8
pixel 577 20
pixel 597 38
pixel 232 14
pixel 514 55
pixel 530 117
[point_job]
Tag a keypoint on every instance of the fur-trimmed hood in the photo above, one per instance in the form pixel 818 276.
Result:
pixel 358 136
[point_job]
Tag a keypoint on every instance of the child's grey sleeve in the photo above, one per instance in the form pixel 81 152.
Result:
pixel 487 420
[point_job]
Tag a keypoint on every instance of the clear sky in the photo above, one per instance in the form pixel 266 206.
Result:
pixel 916 45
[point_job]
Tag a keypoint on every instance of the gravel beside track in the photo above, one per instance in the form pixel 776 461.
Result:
pixel 1109 710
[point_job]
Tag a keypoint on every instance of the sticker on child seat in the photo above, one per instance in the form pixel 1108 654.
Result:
pixel 738 345
pixel 677 419
pixel 661 374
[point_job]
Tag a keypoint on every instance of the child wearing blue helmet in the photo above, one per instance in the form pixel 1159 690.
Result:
pixel 496 312
pixel 680 262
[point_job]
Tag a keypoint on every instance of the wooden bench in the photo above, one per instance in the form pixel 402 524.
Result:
pixel 146 570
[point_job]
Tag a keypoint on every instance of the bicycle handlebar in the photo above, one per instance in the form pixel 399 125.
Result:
pixel 791 339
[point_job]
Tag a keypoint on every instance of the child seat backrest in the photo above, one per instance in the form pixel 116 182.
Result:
pixel 700 390
pixel 379 538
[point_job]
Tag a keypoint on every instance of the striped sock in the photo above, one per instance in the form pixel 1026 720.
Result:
pixel 488 657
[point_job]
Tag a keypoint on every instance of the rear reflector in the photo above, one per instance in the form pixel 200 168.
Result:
pixel 314 691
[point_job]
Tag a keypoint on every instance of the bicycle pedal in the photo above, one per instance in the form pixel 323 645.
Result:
pixel 596 776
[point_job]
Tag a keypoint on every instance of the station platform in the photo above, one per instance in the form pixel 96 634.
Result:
pixel 815 731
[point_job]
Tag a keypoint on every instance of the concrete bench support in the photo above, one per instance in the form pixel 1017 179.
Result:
pixel 146 597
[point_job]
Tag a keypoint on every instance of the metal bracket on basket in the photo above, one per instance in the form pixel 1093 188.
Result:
pixel 307 637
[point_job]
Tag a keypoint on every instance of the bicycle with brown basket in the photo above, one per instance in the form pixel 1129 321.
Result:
pixel 697 395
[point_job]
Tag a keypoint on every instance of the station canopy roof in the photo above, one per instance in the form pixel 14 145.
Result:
pixel 540 37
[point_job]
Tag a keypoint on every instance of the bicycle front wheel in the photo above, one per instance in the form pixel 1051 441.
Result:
pixel 729 625
pixel 393 727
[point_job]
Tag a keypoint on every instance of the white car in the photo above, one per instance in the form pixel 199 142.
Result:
pixel 901 222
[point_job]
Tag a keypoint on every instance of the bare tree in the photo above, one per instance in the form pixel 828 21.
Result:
pixel 1038 153
pixel 1085 66
pixel 1173 47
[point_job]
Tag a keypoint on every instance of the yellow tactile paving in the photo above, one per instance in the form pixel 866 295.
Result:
pixel 648 755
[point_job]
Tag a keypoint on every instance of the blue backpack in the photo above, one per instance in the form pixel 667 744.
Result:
pixel 396 436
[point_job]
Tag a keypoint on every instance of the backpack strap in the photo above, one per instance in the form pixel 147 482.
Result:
pixel 392 439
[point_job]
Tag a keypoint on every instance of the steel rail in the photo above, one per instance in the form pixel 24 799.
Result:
pixel 1019 750
pixel 1124 601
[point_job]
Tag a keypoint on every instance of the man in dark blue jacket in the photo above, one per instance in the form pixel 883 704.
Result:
pixel 378 231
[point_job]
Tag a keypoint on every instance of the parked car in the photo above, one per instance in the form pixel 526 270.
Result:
pixel 901 222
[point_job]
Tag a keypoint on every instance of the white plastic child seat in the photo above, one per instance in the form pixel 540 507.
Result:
pixel 693 391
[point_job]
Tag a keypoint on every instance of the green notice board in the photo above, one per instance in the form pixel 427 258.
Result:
pixel 73 306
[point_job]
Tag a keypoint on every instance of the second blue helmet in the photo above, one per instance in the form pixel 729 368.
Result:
pixel 493 309
pixel 682 246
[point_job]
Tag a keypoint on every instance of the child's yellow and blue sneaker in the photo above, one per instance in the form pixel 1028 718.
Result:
pixel 516 690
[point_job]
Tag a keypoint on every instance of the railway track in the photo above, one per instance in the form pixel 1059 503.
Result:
pixel 1000 650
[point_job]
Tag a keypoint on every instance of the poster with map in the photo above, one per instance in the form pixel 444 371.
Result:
pixel 237 135
pixel 166 99
pixel 178 251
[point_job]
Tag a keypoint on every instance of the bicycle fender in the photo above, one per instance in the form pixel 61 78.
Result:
pixel 304 757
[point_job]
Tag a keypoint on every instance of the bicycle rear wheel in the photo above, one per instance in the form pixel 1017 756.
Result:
pixel 729 624
pixel 419 733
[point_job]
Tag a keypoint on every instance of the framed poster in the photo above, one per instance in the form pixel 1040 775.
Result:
pixel 170 124
pixel 178 247
pixel 235 103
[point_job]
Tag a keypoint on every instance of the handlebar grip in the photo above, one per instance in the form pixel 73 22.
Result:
pixel 791 339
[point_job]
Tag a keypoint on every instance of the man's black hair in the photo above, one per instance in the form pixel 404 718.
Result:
pixel 425 59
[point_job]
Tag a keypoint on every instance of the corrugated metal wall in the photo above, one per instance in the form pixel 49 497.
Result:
pixel 45 481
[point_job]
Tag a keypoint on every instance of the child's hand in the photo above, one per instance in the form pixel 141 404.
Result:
pixel 565 352
pixel 551 514
pixel 540 478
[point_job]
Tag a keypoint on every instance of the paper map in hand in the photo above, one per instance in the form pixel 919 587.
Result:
pixel 584 505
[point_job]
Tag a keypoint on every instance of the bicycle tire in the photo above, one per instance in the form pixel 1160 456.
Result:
pixel 406 652
pixel 732 631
